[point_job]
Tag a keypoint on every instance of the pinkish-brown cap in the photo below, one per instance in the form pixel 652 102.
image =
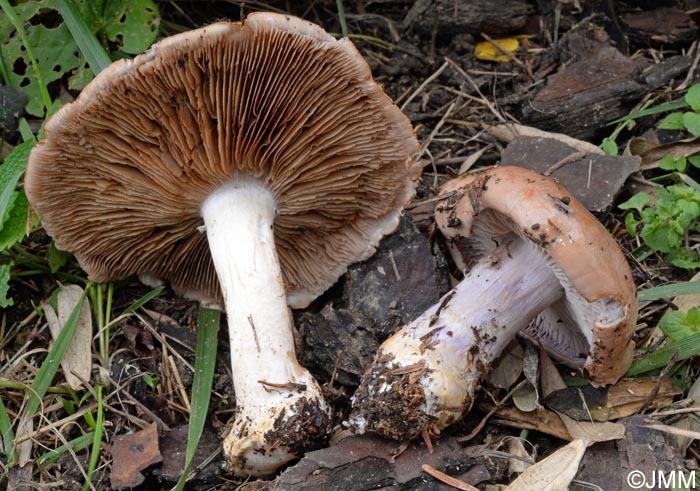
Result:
pixel 591 327
pixel 122 172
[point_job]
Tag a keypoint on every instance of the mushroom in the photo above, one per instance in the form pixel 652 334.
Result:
pixel 271 136
pixel 538 263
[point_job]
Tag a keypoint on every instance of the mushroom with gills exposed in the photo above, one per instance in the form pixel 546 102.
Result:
pixel 271 136
pixel 536 262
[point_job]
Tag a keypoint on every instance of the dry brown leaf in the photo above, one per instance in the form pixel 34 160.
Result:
pixel 76 362
pixel 689 422
pixel 593 431
pixel 516 447
pixel 541 420
pixel 550 378
pixel 554 473
pixel 509 366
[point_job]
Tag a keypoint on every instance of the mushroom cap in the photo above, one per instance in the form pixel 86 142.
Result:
pixel 123 170
pixel 591 327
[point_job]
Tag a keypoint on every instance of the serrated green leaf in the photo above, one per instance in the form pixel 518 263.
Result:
pixel 692 97
pixel 636 202
pixel 5 301
pixel 678 325
pixel 14 224
pixel 692 123
pixel 11 171
pixel 659 236
pixel 673 121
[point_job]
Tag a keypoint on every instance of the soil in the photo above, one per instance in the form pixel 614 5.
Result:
pixel 574 73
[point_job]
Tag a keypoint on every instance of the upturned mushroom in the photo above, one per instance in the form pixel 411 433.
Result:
pixel 536 262
pixel 248 163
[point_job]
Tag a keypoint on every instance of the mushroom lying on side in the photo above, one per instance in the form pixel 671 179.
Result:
pixel 272 136
pixel 537 262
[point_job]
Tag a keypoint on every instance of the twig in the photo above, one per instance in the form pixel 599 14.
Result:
pixel 485 419
pixel 464 74
pixel 422 86
pixel 654 392
pixel 510 55
pixel 449 480
pixel 573 157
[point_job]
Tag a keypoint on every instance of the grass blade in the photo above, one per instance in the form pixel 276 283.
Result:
pixel 662 108
pixel 6 432
pixel 94 53
pixel 96 442
pixel 204 363
pixel 341 16
pixel 688 347
pixel 670 290
pixel 144 300
pixel 77 444
pixel 48 369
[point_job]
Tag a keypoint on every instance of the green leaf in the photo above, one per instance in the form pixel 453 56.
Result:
pixel 636 202
pixel 669 163
pixel 90 47
pixel 609 146
pixel 78 444
pixel 10 172
pixel 5 286
pixel 14 224
pixel 57 258
pixel 692 97
pixel 6 433
pixel 673 121
pixel 694 160
pixel 131 23
pixel 678 325
pixel 692 123
pixel 631 223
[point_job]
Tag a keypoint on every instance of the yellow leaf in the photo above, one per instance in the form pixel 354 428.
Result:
pixel 485 50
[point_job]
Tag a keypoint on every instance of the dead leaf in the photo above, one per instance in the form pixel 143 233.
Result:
pixel 488 51
pixel 691 421
pixel 541 420
pixel 554 473
pixel 76 363
pixel 508 367
pixel 593 431
pixel 133 453
pixel 516 447
pixel 616 401
pixel 550 378
pixel 651 153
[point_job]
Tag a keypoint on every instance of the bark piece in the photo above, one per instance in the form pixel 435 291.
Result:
pixel 400 282
pixel 662 27
pixel 593 179
pixel 331 334
pixel 586 93
pixel 131 454
pixel 361 463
